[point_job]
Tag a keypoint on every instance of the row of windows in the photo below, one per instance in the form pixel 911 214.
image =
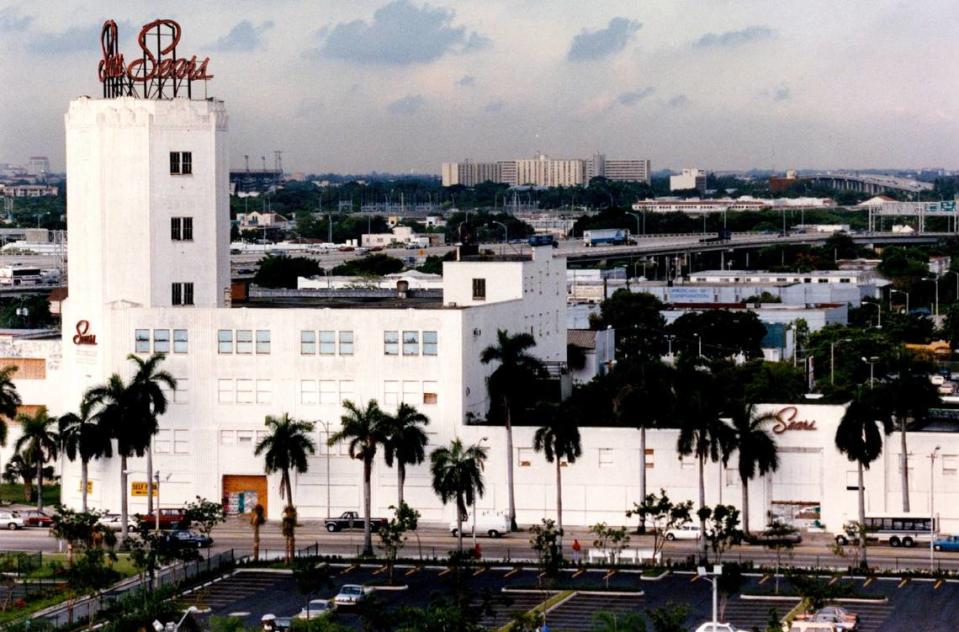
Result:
pixel 604 456
pixel 181 163
pixel 411 343
pixel 410 392
pixel 181 228
pixel 326 391
pixel 244 391
pixel 243 341
pixel 161 341
pixel 324 342
pixel 171 442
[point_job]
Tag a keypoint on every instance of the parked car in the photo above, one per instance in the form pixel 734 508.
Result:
pixel 10 520
pixel 719 627
pixel 946 543
pixel 350 595
pixel 35 518
pixel 352 520
pixel 189 538
pixel 317 608
pixel 812 626
pixel 110 521
pixel 492 524
pixel 689 531
pixel 170 518
pixel 840 617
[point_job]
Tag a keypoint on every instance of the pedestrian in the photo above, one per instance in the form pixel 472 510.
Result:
pixel 477 553
pixel 576 551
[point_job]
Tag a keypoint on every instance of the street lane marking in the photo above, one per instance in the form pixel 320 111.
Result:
pixel 611 572
pixel 937 585
pixel 511 573
pixel 763 580
pixel 833 580
pixel 350 569
pixel 868 581
pixel 694 579
pixel 415 569
pixel 903 583
pixel 578 573
pixel 241 613
pixel 479 571
pixel 379 570
pixel 444 572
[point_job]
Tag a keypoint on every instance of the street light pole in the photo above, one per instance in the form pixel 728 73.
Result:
pixel 891 292
pixel 932 513
pixel 636 217
pixel 872 365
pixel 714 580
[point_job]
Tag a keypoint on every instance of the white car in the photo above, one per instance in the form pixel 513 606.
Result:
pixel 110 521
pixel 492 524
pixel 720 627
pixel 350 595
pixel 689 531
pixel 10 520
pixel 316 608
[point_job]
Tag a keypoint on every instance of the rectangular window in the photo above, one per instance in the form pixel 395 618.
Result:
pixel 950 463
pixel 176 228
pixel 327 342
pixel 176 297
pixel 244 391
pixel 181 395
pixel 262 341
pixel 606 457
pixel 411 343
pixel 328 392
pixel 391 393
pixel 391 343
pixel 412 392
pixel 244 341
pixel 307 342
pixel 346 343
pixel 479 289
pixel 429 343
pixel 187 234
pixel 525 457
pixel 264 392
pixel 228 437
pixel 186 163
pixel 244 437
pixel 175 162
pixel 224 341
pixel 141 341
pixel 346 390
pixel 161 442
pixel 181 442
pixel 224 391
pixel 308 392
pixel 188 294
pixel 430 393
pixel 182 294
pixel 161 341
pixel 181 341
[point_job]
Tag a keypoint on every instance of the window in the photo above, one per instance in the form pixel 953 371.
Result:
pixel 181 163
pixel 224 391
pixel 852 480
pixel 479 289
pixel 224 341
pixel 262 341
pixel 346 343
pixel 327 342
pixel 307 342
pixel 244 437
pixel 391 393
pixel 412 392
pixel 141 341
pixel 650 462
pixel 391 343
pixel 308 392
pixel 328 392
pixel 228 437
pixel 950 463
pixel 430 393
pixel 161 341
pixel 187 234
pixel 182 391
pixel 181 228
pixel 429 343
pixel 181 442
pixel 606 457
pixel 244 341
pixel 174 162
pixel 161 442
pixel 346 390
pixel 411 343
pixel 264 392
pixel 525 457
pixel 182 294
pixel 244 391
pixel 181 341
pixel 687 462
pixel 732 476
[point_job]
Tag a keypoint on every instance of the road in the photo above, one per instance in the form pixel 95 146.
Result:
pixel 435 541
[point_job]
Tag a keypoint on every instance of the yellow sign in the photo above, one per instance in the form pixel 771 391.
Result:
pixel 89 486
pixel 139 488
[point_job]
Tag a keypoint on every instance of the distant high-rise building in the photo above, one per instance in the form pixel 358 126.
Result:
pixel 545 171
pixel 470 173
pixel 39 166
pixel 689 179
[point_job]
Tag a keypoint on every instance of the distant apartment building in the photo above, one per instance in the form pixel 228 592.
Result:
pixel 545 171
pixel 27 190
pixel 689 179
pixel 39 166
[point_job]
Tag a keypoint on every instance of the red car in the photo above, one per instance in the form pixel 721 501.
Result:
pixel 34 518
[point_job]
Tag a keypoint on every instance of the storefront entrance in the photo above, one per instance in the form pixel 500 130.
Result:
pixel 242 493
pixel 796 489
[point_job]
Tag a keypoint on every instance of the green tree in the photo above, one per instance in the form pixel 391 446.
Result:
pixel 638 321
pixel 755 446
pixel 73 528
pixel 393 534
pixel 288 529
pixel 509 387
pixel 286 447
pixel 405 442
pixel 311 577
pixel 859 437
pixel 458 476
pixel 205 515
pixel 257 520
pixel 282 272
pixel 610 621
pixel 545 539
pixel 559 441
pixel 364 430
pixel 779 536
pixel 722 529
pixel 149 401
pixel 83 436
pixel 375 265
pixel 668 618
pixel 719 333
pixel 39 442
pixel 663 515
pixel 9 400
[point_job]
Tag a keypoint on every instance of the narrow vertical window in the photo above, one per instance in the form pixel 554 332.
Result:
pixel 391 343
pixel 177 298
pixel 181 341
pixel 327 342
pixel 188 294
pixel 429 343
pixel 244 341
pixel 174 162
pixel 262 341
pixel 161 341
pixel 479 289
pixel 224 341
pixel 186 163
pixel 346 343
pixel 307 342
pixel 187 230
pixel 411 343
pixel 142 341
pixel 175 227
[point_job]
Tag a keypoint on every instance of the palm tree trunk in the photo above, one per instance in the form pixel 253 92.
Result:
pixel 400 481
pixel 150 478
pixel 862 519
pixel 642 476
pixel 559 501
pixel 904 464
pixel 509 465
pixel 84 477
pixel 702 505
pixel 39 480
pixel 367 532
pixel 288 486
pixel 459 521
pixel 124 515
pixel 256 542
pixel 745 483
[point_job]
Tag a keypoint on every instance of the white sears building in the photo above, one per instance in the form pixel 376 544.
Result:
pixel 147 188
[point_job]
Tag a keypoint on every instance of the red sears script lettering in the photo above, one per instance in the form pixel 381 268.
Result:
pixel 786 420
pixel 82 337
pixel 146 68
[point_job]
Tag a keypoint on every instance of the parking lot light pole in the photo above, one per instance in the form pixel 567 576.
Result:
pixel 932 512
pixel 714 580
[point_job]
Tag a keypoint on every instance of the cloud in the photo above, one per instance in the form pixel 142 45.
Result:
pixel 407 105
pixel 678 101
pixel 74 39
pixel 729 39
pixel 309 108
pixel 11 20
pixel 243 37
pixel 592 45
pixel 400 33
pixel 635 96
pixel 494 106
pixel 781 94
pixel 467 81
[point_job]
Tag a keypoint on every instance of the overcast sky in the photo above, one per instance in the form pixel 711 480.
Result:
pixel 398 86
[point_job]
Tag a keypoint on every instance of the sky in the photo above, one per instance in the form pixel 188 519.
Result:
pixel 402 85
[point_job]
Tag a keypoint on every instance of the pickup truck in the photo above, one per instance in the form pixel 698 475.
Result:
pixel 352 520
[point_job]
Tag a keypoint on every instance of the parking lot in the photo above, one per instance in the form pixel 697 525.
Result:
pixel 901 605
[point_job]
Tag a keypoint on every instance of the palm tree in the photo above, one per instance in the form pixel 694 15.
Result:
pixel 509 386
pixel 405 442
pixel 9 400
pixel 38 442
pixel 859 437
pixel 364 429
pixel 702 431
pixel 756 447
pixel 150 401
pixel 458 475
pixel 286 447
pixel 82 435
pixel 18 469
pixel 257 520
pixel 559 441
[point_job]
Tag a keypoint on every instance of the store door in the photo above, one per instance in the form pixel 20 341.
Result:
pixel 242 493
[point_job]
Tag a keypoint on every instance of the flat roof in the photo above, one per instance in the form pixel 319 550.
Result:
pixel 355 298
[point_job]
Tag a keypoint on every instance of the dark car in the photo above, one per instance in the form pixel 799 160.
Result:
pixel 352 520
pixel 189 538
pixel 170 518
pixel 35 518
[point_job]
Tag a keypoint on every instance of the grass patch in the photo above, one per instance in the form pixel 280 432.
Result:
pixel 34 604
pixel 55 563
pixel 13 493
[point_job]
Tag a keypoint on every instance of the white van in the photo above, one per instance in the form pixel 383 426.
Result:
pixel 492 524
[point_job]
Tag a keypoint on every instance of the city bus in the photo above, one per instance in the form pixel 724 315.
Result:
pixel 896 529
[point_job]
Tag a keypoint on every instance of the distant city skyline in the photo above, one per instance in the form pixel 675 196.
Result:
pixel 403 86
